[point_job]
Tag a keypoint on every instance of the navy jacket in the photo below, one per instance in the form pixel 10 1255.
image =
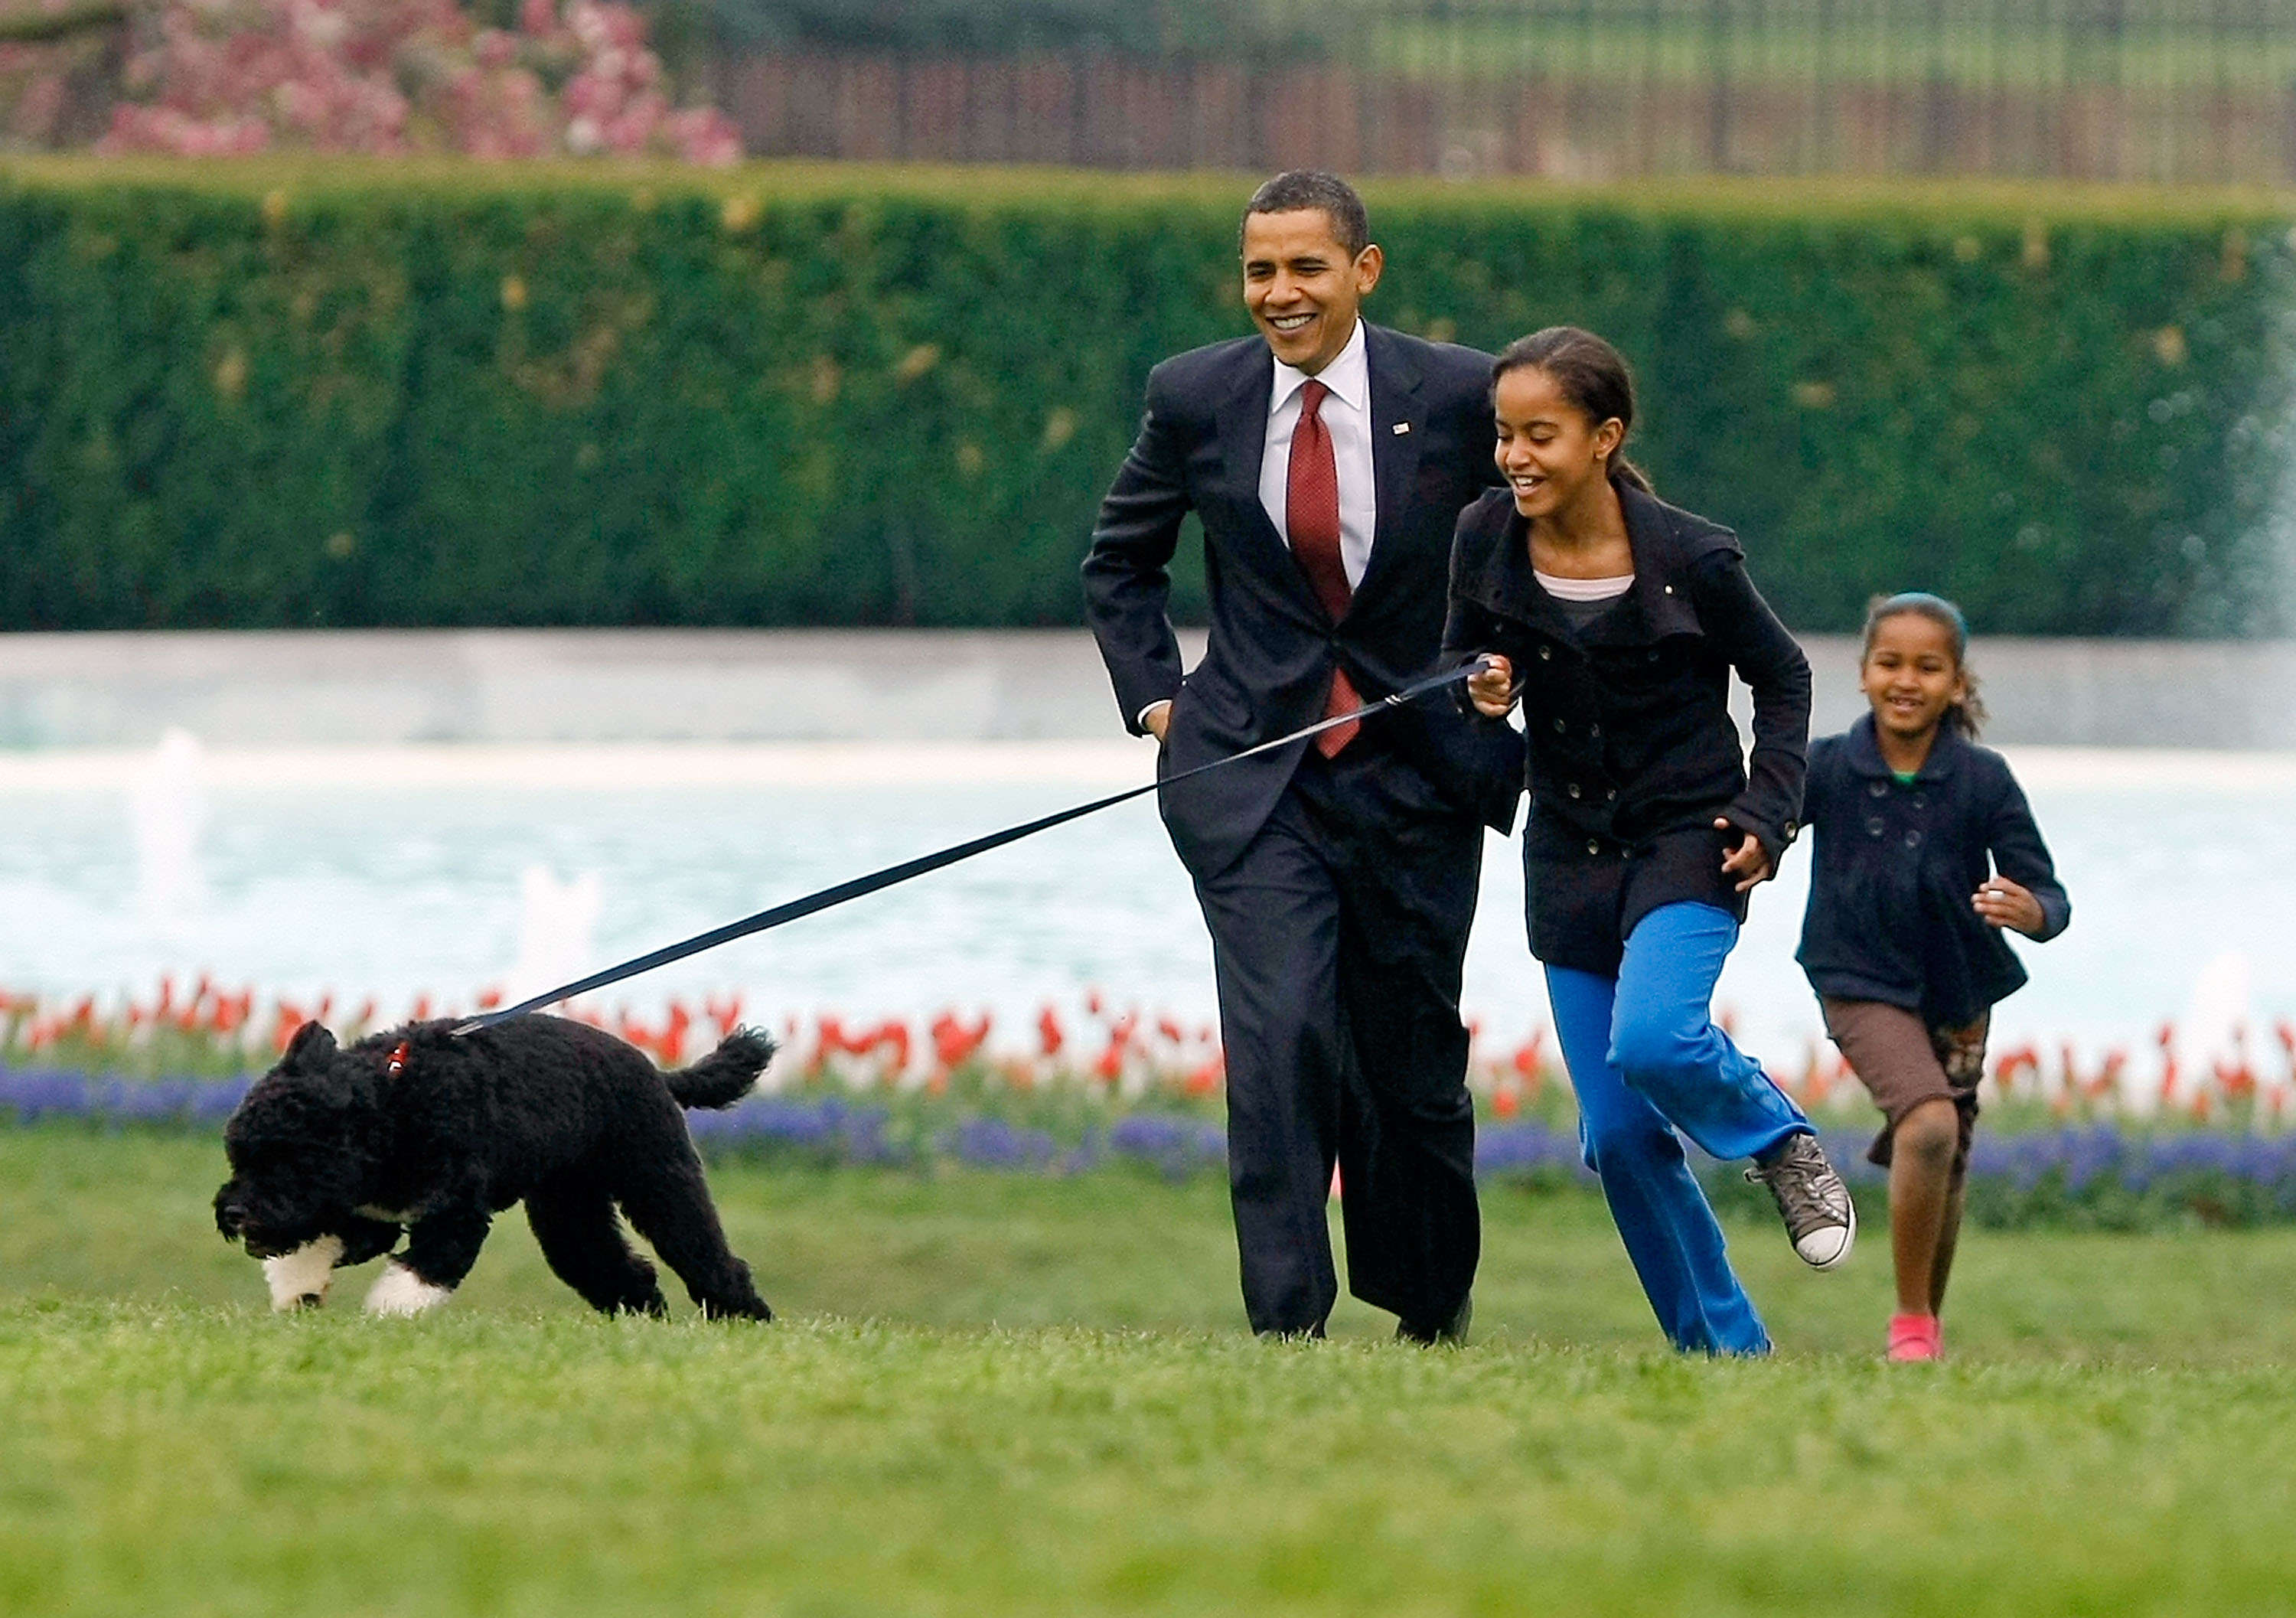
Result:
pixel 1889 917
pixel 1633 753
pixel 1272 646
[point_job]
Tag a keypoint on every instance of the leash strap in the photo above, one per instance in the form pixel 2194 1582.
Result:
pixel 860 887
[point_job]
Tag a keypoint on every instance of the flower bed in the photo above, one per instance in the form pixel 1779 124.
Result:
pixel 2064 1143
pixel 1096 1056
pixel 2096 1176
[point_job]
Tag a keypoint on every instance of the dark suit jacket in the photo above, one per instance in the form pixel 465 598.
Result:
pixel 1272 647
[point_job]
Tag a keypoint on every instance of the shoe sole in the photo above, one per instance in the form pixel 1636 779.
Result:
pixel 1849 1241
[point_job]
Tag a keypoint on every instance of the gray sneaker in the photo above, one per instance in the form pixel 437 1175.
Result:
pixel 1821 1220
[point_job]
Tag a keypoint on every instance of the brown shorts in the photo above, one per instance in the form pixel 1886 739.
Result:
pixel 1903 1062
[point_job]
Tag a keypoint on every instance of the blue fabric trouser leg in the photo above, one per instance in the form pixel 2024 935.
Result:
pixel 1646 1058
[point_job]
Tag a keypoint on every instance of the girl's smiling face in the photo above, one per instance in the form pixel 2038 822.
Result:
pixel 1548 450
pixel 1911 675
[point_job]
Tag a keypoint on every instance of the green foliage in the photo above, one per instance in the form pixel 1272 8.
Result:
pixel 285 395
pixel 1023 28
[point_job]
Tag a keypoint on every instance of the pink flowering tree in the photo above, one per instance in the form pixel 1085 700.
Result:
pixel 58 63
pixel 384 76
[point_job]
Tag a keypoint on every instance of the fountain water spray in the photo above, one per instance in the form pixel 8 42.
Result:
pixel 2216 1022
pixel 167 811
pixel 557 922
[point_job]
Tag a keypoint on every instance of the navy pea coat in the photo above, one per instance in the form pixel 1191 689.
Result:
pixel 1632 751
pixel 1889 917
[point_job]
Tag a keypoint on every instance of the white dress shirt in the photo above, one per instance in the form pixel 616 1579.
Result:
pixel 1347 416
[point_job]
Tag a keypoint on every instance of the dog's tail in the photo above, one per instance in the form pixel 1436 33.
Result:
pixel 725 1074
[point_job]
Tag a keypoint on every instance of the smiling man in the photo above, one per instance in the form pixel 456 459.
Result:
pixel 1328 460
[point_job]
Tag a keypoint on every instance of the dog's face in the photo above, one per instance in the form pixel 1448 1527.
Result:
pixel 301 1147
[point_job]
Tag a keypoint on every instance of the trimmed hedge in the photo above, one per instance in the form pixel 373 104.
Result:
pixel 288 395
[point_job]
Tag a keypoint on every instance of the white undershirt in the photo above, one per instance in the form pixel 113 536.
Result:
pixel 1346 414
pixel 1584 589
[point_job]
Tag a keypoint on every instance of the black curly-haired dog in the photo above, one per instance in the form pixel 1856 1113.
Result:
pixel 338 1150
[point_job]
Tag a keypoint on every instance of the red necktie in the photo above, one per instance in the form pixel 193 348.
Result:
pixel 1311 511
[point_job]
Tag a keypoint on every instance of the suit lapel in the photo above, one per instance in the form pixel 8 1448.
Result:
pixel 1399 427
pixel 1240 421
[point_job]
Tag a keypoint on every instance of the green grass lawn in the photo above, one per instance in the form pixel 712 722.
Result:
pixel 1019 1395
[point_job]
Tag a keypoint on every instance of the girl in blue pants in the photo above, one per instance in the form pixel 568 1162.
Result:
pixel 1616 622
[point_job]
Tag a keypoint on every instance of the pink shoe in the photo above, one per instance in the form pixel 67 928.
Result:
pixel 1915 1337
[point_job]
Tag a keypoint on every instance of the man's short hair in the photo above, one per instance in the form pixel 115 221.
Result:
pixel 1300 188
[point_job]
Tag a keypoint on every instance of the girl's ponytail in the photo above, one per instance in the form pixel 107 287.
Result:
pixel 1968 715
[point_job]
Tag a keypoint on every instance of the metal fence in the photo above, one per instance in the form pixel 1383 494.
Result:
pixel 2147 90
pixel 2141 90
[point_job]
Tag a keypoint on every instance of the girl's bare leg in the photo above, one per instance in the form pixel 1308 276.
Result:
pixel 1924 1206
pixel 1948 1238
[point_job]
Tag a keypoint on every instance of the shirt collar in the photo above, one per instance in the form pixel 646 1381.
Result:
pixel 1347 376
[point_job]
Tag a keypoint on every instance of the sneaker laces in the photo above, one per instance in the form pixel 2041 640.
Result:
pixel 1810 1195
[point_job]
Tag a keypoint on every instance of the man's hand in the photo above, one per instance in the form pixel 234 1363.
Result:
pixel 2003 903
pixel 1491 686
pixel 1747 862
pixel 1157 719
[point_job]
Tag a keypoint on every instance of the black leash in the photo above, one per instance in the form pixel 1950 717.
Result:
pixel 861 886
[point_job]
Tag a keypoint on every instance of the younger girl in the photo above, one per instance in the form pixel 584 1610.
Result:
pixel 1902 940
pixel 1616 621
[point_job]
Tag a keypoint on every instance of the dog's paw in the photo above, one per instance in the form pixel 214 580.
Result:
pixel 299 1279
pixel 399 1291
pixel 751 1307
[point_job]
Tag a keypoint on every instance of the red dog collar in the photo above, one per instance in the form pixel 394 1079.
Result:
pixel 397 1064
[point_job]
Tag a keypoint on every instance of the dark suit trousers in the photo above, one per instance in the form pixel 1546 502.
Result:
pixel 1337 938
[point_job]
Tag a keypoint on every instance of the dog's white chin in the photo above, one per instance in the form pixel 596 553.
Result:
pixel 401 1291
pixel 299 1278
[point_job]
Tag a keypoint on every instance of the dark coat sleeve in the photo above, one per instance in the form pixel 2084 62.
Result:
pixel 1748 635
pixel 2019 854
pixel 1470 630
pixel 1127 580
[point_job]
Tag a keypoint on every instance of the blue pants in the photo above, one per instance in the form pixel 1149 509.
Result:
pixel 1646 1060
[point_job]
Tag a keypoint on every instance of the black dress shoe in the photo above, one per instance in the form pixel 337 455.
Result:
pixel 1304 1334
pixel 1453 1331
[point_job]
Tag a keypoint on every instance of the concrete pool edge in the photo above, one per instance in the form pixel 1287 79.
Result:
pixel 1121 761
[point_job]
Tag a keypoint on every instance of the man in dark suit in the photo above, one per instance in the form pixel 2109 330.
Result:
pixel 1328 460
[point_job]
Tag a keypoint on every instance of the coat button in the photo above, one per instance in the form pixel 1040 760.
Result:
pixel 1874 827
pixel 1670 589
pixel 1574 789
pixel 1593 847
pixel 1913 839
pixel 1877 789
pixel 1791 828
pixel 1558 728
pixel 1545 652
pixel 1920 801
pixel 1612 796
pixel 1593 730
